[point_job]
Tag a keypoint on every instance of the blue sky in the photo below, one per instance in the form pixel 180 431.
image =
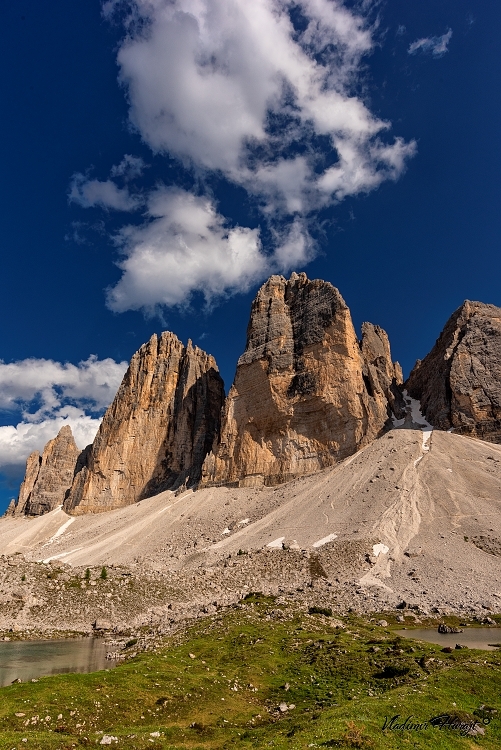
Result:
pixel 160 160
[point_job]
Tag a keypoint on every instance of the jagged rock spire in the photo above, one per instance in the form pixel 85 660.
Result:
pixel 158 430
pixel 306 393
pixel 48 476
pixel 459 381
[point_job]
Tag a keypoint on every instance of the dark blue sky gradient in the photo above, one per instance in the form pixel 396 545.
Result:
pixel 404 256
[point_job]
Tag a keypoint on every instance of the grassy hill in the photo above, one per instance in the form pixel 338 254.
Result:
pixel 261 675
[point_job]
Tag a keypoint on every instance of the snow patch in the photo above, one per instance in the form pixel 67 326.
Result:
pixel 380 549
pixel 61 554
pixel 226 531
pixel 426 437
pixel 244 521
pixel 416 414
pixel 324 540
pixel 277 543
pixel 62 529
pixel 414 406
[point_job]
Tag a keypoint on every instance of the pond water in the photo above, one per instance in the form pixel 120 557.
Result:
pixel 471 637
pixel 25 660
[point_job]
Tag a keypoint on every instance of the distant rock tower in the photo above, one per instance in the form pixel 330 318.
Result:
pixel 48 476
pixel 306 393
pixel 156 433
pixel 459 381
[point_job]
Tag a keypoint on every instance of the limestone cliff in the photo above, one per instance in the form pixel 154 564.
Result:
pixel 459 381
pixel 306 393
pixel 158 430
pixel 48 476
pixel 11 509
pixel 382 376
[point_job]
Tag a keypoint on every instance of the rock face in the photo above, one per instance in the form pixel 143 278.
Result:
pixel 158 430
pixel 306 393
pixel 48 476
pixel 459 381
pixel 11 510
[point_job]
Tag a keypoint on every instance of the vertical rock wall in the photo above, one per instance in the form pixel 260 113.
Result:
pixel 303 397
pixel 459 381
pixel 48 476
pixel 158 430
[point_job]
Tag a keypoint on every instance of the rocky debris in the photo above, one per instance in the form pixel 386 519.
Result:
pixel 100 625
pixel 459 382
pixel 158 430
pixel 138 603
pixel 108 739
pixel 306 393
pixel 487 543
pixel 48 477
pixel 167 561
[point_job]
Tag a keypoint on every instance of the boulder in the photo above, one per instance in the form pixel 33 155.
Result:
pixel 101 625
pixel 443 628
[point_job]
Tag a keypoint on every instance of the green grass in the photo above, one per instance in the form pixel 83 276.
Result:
pixel 228 695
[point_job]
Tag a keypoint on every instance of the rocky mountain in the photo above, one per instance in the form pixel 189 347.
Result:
pixel 306 393
pixel 459 381
pixel 48 476
pixel 156 433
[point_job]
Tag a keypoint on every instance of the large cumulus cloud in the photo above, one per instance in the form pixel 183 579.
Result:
pixel 264 94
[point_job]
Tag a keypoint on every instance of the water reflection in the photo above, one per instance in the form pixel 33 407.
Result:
pixel 25 660
pixel 471 637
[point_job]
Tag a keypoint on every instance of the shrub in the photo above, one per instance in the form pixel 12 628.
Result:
pixel 104 574
pixel 87 575
pixel 327 611
pixel 393 670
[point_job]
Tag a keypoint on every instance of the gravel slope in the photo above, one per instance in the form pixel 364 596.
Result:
pixel 406 518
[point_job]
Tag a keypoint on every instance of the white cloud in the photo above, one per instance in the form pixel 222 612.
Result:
pixel 434 45
pixel 129 168
pixel 106 194
pixel 17 442
pixel 91 384
pixel 231 87
pixel 185 246
pixel 204 75
pixel 48 395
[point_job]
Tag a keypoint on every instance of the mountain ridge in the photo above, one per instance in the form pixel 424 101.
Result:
pixel 307 393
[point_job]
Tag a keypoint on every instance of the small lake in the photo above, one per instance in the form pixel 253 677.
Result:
pixel 471 637
pixel 25 660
